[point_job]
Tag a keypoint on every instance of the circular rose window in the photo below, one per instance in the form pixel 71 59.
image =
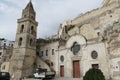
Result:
pixel 62 58
pixel 94 54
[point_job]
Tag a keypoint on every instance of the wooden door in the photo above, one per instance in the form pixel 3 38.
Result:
pixel 76 69
pixel 61 71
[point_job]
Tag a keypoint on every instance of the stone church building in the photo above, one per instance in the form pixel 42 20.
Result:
pixel 90 40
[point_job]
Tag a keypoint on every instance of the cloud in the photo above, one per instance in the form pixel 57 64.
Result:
pixel 49 13
pixel 3 7
pixel 53 12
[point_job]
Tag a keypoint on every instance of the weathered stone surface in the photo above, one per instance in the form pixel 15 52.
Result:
pixel 97 30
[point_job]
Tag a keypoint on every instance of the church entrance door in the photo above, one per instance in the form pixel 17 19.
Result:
pixel 61 71
pixel 76 69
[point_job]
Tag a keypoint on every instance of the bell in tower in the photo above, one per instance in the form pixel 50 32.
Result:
pixel 24 52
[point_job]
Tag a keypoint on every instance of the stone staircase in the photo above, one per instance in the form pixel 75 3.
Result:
pixel 42 64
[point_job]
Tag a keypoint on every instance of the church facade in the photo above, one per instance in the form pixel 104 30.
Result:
pixel 91 40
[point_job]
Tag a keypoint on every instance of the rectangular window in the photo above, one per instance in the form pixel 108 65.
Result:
pixel 52 51
pixel 96 66
pixel 41 53
pixel 4 45
pixel 0 53
pixel 46 52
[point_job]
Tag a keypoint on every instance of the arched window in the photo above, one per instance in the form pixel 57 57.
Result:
pixel 24 16
pixel 46 52
pixel 75 48
pixel 20 42
pixel 32 30
pixel 32 17
pixel 31 41
pixel 22 28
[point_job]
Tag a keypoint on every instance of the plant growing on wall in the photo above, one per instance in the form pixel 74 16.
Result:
pixel 94 74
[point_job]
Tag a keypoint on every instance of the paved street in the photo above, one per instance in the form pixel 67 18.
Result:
pixel 68 79
pixel 57 79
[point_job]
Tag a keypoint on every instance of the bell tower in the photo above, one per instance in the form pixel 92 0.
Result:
pixel 24 52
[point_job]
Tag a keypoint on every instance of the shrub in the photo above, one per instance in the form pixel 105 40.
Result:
pixel 94 74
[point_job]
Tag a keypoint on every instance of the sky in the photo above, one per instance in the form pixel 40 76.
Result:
pixel 49 14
